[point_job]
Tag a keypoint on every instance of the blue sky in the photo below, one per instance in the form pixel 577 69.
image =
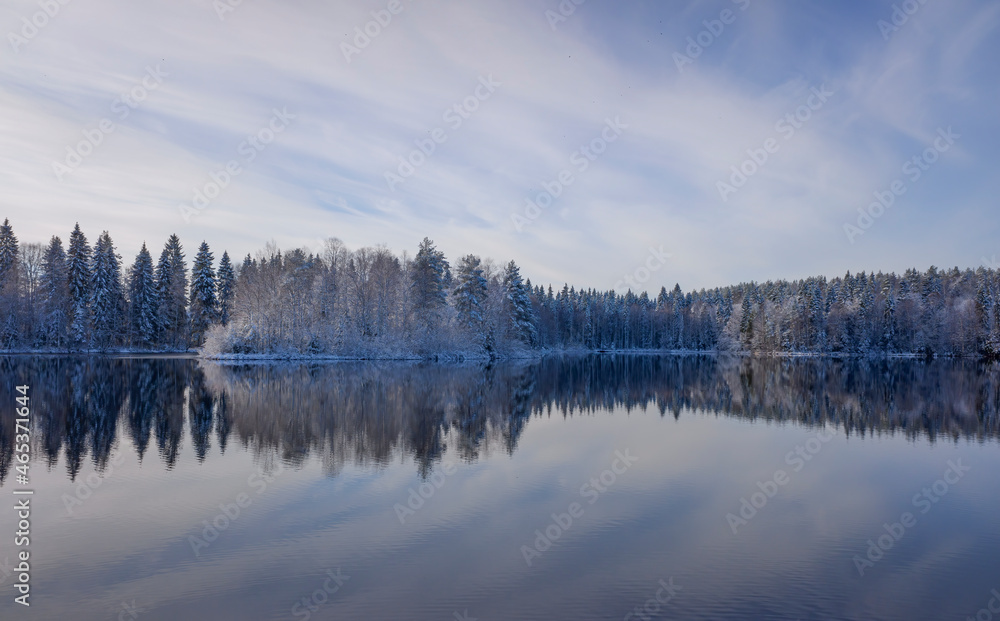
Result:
pixel 532 90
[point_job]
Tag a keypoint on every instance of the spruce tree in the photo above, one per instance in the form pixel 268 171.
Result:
pixel 984 307
pixel 78 277
pixel 171 290
pixel 522 316
pixel 107 298
pixel 55 293
pixel 226 286
pixel 470 291
pixel 746 321
pixel 9 286
pixel 203 306
pixel 8 254
pixel 143 308
pixel 431 276
pixel 163 287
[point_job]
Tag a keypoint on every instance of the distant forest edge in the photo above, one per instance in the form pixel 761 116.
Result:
pixel 371 303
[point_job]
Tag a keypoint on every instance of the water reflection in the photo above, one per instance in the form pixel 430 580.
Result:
pixel 369 413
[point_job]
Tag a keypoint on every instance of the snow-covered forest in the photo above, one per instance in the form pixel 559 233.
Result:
pixel 370 302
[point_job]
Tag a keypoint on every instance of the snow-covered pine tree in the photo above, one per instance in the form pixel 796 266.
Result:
pixel 470 292
pixel 78 277
pixel 143 317
pixel 55 294
pixel 107 298
pixel 8 254
pixel 163 275
pixel 9 286
pixel 226 283
pixel 203 307
pixel 171 290
pixel 888 341
pixel 522 316
pixel 431 275
pixel 984 307
pixel 746 320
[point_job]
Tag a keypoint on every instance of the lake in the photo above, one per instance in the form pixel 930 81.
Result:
pixel 600 487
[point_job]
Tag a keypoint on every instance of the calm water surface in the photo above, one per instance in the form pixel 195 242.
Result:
pixel 577 488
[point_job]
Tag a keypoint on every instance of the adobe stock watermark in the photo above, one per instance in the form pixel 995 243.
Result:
pixel 454 116
pixel 654 262
pixel 566 8
pixel 305 607
pixel 464 616
pixel 592 491
pixel 901 13
pixel 230 512
pixel 86 488
pixel 250 148
pixel 31 27
pixel 991 262
pixel 363 36
pixel 705 38
pixel 130 611
pixel 224 7
pixel 992 608
pixel 914 169
pixel 652 607
pixel 424 492
pixel 796 458
pixel 924 500
pixel 786 127
pixel 122 106
pixel 581 159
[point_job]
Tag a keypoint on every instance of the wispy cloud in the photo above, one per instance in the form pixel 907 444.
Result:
pixel 657 185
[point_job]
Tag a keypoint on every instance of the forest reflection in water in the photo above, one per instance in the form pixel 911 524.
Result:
pixel 369 413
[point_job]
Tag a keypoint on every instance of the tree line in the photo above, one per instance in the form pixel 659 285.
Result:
pixel 370 302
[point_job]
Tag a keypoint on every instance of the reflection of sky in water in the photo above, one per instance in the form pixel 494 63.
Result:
pixel 664 517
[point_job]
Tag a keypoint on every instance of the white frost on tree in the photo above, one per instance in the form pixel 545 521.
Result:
pixel 430 274
pixel 171 291
pixel 107 298
pixel 143 299
pixel 203 306
pixel 226 282
pixel 470 292
pixel 79 280
pixel 522 316
pixel 9 286
pixel 55 294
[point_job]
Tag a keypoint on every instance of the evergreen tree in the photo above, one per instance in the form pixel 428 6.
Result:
pixel 522 317
pixel 984 306
pixel 171 291
pixel 107 298
pixel 889 318
pixel 431 276
pixel 55 293
pixel 143 317
pixel 226 286
pixel 746 320
pixel 470 292
pixel 9 286
pixel 163 275
pixel 204 305
pixel 78 277
pixel 8 254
